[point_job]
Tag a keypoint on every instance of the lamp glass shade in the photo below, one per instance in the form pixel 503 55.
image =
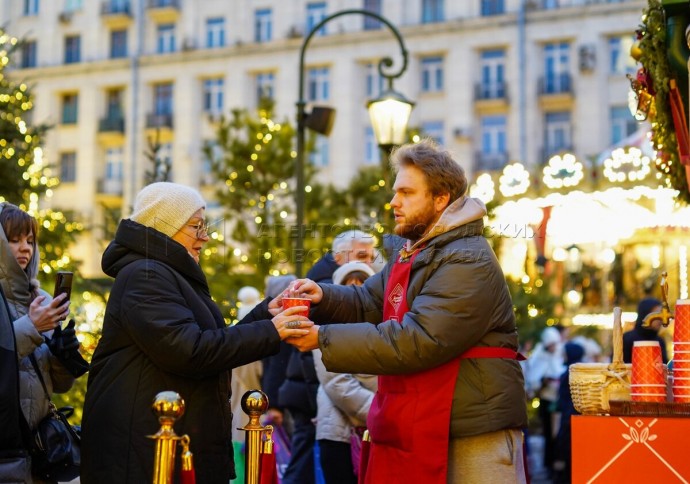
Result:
pixel 389 115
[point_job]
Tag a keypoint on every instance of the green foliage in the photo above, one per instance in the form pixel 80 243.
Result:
pixel 654 59
pixel 534 307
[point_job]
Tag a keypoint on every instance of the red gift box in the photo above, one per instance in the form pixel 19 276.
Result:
pixel 630 449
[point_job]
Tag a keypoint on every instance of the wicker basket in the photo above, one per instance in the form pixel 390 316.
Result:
pixel 592 385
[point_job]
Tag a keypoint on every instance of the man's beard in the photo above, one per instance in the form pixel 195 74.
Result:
pixel 415 227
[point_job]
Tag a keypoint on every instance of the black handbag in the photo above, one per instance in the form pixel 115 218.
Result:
pixel 56 449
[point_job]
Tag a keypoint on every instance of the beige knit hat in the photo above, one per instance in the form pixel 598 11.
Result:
pixel 166 206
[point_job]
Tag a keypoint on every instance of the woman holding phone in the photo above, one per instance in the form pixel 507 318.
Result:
pixel 35 315
pixel 163 332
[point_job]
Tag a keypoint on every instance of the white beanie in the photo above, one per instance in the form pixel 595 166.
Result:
pixel 341 272
pixel 166 206
pixel 550 335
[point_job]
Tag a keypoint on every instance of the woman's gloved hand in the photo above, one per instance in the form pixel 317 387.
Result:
pixel 65 346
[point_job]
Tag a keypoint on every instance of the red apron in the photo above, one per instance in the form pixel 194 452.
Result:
pixel 409 418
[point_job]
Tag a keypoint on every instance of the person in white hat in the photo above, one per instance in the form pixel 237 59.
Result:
pixel 163 332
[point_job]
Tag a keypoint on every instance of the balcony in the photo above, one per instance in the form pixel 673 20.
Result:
pixel 163 11
pixel 545 154
pixel 490 161
pixel 111 130
pixel 109 191
pixel 116 14
pixel 159 127
pixel 491 98
pixel 556 92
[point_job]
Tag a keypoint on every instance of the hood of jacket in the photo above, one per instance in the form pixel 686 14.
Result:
pixel 17 282
pixel 462 212
pixel 134 241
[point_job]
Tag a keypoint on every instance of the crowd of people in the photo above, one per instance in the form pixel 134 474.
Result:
pixel 428 361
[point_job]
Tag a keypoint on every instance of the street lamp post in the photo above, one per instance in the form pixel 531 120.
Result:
pixel 389 114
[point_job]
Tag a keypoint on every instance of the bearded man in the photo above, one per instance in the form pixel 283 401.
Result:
pixel 437 326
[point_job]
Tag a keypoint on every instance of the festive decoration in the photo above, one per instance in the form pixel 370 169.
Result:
pixel 563 171
pixel 514 180
pixel 627 165
pixel 653 57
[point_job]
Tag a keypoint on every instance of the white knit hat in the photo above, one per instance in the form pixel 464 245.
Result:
pixel 166 206
pixel 342 272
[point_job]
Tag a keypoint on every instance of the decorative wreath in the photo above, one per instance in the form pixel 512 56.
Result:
pixel 652 54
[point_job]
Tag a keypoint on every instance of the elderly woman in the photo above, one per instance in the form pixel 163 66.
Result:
pixel 162 331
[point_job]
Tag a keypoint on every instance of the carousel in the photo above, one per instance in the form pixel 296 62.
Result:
pixel 600 230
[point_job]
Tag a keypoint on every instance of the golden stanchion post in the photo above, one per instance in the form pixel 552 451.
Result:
pixel 168 407
pixel 254 404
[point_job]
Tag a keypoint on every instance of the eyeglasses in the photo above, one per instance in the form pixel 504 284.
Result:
pixel 203 229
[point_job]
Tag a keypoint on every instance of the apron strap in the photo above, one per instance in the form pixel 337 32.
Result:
pixel 492 352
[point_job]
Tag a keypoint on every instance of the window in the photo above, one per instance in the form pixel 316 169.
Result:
pixel 263 25
pixel 372 152
pixel 113 104
pixel 72 49
pixel 69 108
pixel 492 7
pixel 316 12
pixel 556 68
pixel 622 123
pixel 72 5
pixel 319 157
pixel 165 36
pixel 113 164
pixel 68 167
pixel 163 99
pixel 557 136
pixel 265 84
pixel 116 6
pixel 492 85
pixel 620 61
pixel 28 54
pixel 318 84
pixel 164 162
pixel 213 96
pixel 215 32
pixel 213 155
pixel 432 11
pixel 374 6
pixel 493 144
pixel 433 129
pixel 30 7
pixel 375 82
pixel 432 74
pixel 118 44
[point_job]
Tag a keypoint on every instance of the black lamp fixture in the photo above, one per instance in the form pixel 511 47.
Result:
pixel 389 116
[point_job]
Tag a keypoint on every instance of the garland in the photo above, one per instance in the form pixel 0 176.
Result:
pixel 653 57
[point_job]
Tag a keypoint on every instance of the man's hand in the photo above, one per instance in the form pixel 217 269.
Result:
pixel 308 342
pixel 308 289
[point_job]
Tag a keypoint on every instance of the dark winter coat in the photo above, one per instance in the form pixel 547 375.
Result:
pixel 458 299
pixel 14 459
pixel 323 269
pixel 162 332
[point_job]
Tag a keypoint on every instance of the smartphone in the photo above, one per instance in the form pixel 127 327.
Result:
pixel 63 284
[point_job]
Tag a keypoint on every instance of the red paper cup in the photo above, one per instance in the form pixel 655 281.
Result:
pixel 681 323
pixel 681 391
pixel 290 302
pixel 645 397
pixel 647 366
pixel 680 399
pixel 648 389
pixel 681 346
pixel 680 363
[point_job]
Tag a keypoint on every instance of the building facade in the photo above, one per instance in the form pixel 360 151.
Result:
pixel 493 80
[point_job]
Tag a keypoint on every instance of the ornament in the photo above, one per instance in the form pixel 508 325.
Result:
pixel 641 103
